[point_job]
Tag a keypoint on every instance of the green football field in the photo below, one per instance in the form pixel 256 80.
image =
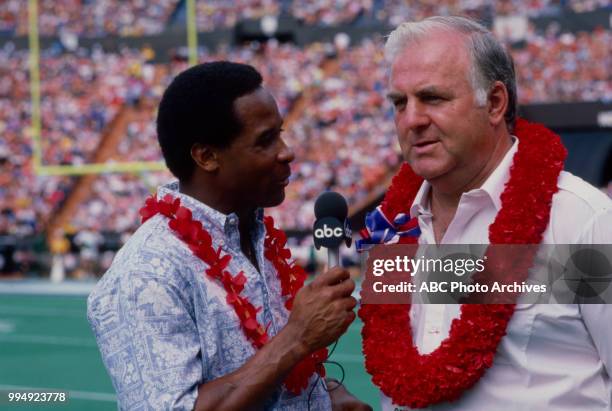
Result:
pixel 46 343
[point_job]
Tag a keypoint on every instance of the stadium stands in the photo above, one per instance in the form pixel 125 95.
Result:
pixel 337 120
pixel 89 18
pixel 219 14
pixel 140 17
pixel 565 67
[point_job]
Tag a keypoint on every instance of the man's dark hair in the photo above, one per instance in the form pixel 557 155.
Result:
pixel 198 107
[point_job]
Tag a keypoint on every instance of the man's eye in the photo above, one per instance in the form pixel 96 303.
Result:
pixel 399 104
pixel 269 138
pixel 432 98
pixel 266 140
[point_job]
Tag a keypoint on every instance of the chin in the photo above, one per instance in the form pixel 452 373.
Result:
pixel 428 169
pixel 427 173
pixel 274 199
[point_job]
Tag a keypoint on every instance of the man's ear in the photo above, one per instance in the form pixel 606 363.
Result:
pixel 497 103
pixel 205 157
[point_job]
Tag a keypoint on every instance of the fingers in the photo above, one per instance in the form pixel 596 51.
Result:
pixel 345 304
pixel 350 317
pixel 344 289
pixel 349 303
pixel 334 276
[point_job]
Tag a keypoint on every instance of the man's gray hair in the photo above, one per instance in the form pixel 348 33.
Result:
pixel 490 60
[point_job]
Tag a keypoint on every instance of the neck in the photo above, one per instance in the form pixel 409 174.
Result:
pixel 446 190
pixel 219 200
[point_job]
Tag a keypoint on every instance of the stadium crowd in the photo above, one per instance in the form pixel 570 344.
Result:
pixel 344 140
pixel 328 13
pixel 222 14
pixel 26 200
pixel 89 18
pixel 396 11
pixel 81 93
pixel 140 17
pixel 563 67
pixel 345 127
pixel 333 97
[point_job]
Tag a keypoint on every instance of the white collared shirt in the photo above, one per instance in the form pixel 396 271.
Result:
pixel 554 356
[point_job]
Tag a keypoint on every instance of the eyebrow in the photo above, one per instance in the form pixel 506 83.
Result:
pixel 425 91
pixel 395 96
pixel 429 90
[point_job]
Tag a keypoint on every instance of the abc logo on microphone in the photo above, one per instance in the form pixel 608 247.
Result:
pixel 331 227
pixel 328 233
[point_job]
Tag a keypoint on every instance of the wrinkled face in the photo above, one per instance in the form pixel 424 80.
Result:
pixel 255 167
pixel 440 128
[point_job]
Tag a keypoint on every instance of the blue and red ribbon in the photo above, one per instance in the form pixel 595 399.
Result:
pixel 380 230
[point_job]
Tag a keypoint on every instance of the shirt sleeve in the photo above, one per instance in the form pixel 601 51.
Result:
pixel 150 346
pixel 597 317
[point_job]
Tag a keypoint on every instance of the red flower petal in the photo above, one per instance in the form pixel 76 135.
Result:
pixel 183 213
pixel 240 279
pixel 251 324
pixel 231 298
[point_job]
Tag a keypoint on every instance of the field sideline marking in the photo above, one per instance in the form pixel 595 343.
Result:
pixel 43 312
pixel 47 339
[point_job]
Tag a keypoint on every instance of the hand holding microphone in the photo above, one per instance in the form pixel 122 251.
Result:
pixel 323 309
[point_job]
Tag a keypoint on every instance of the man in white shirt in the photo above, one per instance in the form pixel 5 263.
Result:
pixel 453 88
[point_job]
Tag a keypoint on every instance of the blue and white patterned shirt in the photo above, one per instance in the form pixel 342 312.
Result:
pixel 163 327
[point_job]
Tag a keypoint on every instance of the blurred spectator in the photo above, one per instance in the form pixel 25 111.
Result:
pixel 26 200
pixel 565 67
pixel 222 14
pixel 89 18
pixel 397 11
pixel 328 13
pixel 81 93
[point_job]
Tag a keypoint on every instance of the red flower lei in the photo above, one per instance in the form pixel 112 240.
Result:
pixel 397 368
pixel 291 277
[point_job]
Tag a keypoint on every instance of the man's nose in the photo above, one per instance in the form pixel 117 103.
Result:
pixel 286 153
pixel 413 117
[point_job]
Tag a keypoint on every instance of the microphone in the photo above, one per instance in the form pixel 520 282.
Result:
pixel 331 226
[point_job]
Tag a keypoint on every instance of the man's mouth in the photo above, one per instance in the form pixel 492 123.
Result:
pixel 424 146
pixel 285 181
pixel 424 143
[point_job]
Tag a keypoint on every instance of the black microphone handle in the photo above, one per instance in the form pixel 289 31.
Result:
pixel 333 257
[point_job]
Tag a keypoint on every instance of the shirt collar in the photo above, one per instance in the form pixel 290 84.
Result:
pixel 205 213
pixel 493 186
pixel 420 204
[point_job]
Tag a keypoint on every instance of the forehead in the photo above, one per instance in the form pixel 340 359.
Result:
pixel 257 109
pixel 440 60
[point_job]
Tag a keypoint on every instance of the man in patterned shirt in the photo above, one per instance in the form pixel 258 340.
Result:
pixel 167 335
